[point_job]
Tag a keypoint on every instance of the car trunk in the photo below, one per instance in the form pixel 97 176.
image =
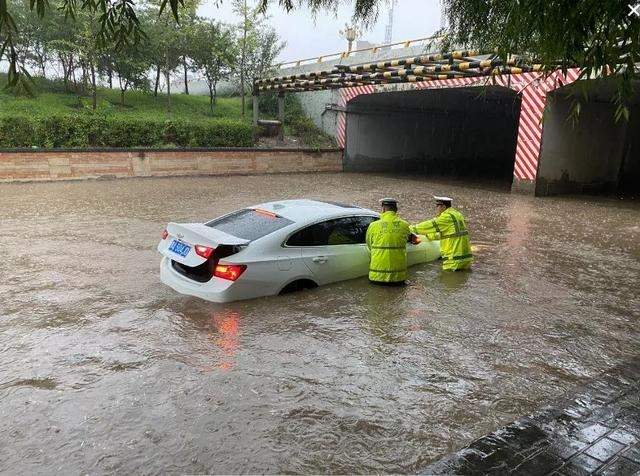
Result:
pixel 191 264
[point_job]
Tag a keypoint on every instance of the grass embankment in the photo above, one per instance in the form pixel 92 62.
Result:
pixel 57 118
pixel 53 118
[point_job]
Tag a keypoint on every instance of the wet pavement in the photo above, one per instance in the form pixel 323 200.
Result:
pixel 596 432
pixel 103 369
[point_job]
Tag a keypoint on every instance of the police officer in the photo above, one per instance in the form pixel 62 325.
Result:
pixel 387 243
pixel 450 228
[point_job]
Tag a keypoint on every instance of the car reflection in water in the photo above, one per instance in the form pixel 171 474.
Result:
pixel 227 325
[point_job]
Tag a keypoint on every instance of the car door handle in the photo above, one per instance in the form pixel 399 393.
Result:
pixel 320 259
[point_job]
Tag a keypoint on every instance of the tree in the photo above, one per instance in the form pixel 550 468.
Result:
pixel 261 57
pixel 213 52
pixel 131 66
pixel 246 29
pixel 186 37
pixel 601 36
pixel 258 46
pixel 34 35
pixel 118 23
pixel 88 50
pixel 164 48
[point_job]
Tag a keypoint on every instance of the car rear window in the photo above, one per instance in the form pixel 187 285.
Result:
pixel 249 224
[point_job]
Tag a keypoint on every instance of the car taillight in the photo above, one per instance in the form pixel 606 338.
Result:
pixel 203 251
pixel 164 234
pixel 229 271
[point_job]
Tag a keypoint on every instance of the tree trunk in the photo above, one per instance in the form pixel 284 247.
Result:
pixel 84 75
pixel 186 83
pixel 64 72
pixel 244 51
pixel 121 97
pixel 168 80
pixel 110 75
pixel 94 92
pixel 215 93
pixel 168 92
pixel 211 99
pixel 155 89
pixel 73 74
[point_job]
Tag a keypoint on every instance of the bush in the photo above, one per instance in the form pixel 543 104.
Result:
pixel 94 130
pixel 17 133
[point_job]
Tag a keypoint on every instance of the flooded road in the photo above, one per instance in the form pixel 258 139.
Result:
pixel 104 369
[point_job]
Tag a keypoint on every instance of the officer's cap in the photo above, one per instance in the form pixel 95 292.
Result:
pixel 443 200
pixel 388 201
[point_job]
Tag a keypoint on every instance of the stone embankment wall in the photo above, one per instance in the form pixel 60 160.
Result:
pixel 72 164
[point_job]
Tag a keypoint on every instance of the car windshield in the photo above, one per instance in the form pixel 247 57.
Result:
pixel 249 224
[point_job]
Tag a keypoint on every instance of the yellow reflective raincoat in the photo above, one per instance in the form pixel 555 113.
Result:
pixel 451 229
pixel 387 243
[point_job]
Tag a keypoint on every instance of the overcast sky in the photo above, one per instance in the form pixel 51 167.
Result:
pixel 307 36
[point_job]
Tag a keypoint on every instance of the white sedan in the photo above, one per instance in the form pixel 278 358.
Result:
pixel 272 248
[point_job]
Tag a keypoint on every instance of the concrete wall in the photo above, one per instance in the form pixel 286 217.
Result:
pixel 586 157
pixel 465 132
pixel 28 165
pixel 630 172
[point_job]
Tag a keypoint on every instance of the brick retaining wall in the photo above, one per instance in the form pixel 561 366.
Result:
pixel 71 164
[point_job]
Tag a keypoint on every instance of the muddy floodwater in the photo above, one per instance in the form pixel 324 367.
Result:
pixel 103 369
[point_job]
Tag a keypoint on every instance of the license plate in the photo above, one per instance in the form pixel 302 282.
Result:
pixel 179 248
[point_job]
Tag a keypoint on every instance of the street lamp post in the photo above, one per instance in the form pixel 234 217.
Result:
pixel 350 33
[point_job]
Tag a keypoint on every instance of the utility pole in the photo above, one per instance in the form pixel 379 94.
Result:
pixel 388 31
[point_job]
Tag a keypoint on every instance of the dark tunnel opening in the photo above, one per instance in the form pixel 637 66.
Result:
pixel 459 133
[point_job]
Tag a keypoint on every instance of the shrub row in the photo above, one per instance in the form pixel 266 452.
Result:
pixel 100 131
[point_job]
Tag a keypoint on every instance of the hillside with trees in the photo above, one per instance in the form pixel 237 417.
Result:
pixel 86 91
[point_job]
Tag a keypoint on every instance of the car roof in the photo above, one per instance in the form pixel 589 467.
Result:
pixel 304 210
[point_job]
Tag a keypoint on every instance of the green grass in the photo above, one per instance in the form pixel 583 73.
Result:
pixel 138 105
pixel 54 117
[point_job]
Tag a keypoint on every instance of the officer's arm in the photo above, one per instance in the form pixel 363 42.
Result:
pixel 368 237
pixel 424 228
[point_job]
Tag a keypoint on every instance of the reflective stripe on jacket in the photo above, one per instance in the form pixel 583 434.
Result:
pixel 451 229
pixel 387 243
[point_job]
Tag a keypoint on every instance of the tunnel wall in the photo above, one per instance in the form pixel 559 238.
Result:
pixel 584 157
pixel 629 181
pixel 442 133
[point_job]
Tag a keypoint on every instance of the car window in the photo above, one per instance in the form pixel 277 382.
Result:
pixel 359 228
pixel 249 224
pixel 340 231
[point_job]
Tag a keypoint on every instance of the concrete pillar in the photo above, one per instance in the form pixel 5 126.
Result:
pixel 281 116
pixel 256 115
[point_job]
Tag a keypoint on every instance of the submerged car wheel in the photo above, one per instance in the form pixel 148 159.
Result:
pixel 298 285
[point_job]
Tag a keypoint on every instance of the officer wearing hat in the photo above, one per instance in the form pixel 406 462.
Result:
pixel 450 227
pixel 387 243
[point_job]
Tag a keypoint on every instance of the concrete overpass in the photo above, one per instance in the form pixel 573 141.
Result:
pixel 487 126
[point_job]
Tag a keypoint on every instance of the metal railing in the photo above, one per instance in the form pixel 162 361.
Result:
pixel 347 54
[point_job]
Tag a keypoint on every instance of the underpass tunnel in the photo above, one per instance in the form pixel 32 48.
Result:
pixel 593 154
pixel 460 132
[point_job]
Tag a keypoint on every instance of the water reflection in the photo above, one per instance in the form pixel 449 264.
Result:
pixel 385 306
pixel 453 281
pixel 226 337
